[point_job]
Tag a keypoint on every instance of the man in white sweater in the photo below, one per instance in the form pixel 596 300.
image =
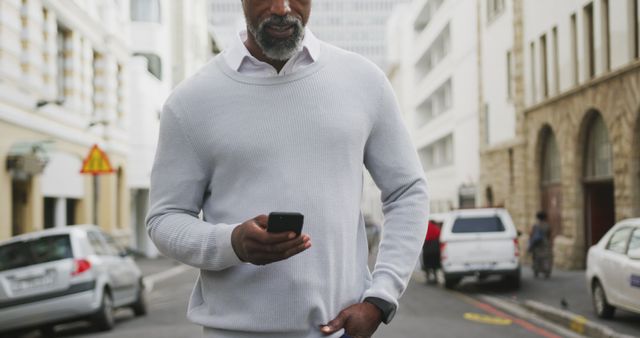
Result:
pixel 284 122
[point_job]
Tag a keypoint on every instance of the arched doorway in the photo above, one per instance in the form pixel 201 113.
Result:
pixel 550 179
pixel 599 205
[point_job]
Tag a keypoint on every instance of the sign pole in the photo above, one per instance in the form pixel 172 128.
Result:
pixel 96 163
pixel 96 193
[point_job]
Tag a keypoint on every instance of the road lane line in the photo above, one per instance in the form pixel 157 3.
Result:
pixel 151 280
pixel 521 322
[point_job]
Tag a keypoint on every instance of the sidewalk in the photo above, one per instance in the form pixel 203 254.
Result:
pixel 565 290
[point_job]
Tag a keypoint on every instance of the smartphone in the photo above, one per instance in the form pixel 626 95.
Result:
pixel 285 221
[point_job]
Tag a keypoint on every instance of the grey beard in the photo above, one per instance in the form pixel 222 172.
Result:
pixel 274 48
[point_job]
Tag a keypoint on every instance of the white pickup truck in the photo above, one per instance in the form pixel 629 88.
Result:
pixel 479 242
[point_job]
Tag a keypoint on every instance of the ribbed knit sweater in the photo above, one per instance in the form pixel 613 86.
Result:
pixel 234 146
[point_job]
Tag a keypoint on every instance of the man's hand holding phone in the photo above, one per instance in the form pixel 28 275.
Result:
pixel 254 244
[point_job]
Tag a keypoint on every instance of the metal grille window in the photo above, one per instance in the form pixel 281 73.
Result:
pixel 599 159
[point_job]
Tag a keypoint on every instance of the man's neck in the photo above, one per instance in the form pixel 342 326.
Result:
pixel 257 53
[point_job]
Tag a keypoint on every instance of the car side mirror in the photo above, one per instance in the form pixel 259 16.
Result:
pixel 635 254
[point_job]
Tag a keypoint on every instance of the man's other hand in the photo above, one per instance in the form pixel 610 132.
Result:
pixel 359 321
pixel 252 243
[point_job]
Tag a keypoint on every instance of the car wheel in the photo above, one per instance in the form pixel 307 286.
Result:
pixel 140 306
pixel 451 282
pixel 600 304
pixel 104 319
pixel 512 281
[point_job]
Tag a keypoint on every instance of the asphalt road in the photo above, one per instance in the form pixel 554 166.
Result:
pixel 430 311
pixel 426 311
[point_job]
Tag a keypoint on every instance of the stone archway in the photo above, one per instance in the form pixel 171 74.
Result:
pixel 597 178
pixel 550 178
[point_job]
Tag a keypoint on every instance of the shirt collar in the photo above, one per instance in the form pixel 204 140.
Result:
pixel 238 52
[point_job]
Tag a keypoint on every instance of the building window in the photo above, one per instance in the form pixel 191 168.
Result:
pixel 633 21
pixel 544 66
pixel 438 50
pixel 49 212
pixel 120 93
pixel 98 86
pixel 606 35
pixel 556 60
pixel 589 41
pixel 532 47
pixel 494 9
pixel 574 49
pixel 510 86
pixel 599 155
pixel 512 176
pixel 487 124
pixel 63 47
pixel 47 58
pixel 72 205
pixel 154 64
pixel 145 11
pixel 438 154
pixel 24 24
pixel 426 14
pixel 438 103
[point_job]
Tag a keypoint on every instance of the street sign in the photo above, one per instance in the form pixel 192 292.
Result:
pixel 96 163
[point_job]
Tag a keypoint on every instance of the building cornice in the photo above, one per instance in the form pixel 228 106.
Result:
pixel 502 146
pixel 616 74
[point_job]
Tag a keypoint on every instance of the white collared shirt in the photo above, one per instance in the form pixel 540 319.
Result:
pixel 240 59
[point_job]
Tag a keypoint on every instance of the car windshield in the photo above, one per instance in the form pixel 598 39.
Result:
pixel 41 250
pixel 477 224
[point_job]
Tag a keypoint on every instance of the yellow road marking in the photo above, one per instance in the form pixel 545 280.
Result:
pixel 577 324
pixel 476 317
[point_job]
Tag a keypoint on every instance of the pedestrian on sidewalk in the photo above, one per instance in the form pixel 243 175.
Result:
pixel 282 121
pixel 431 252
pixel 540 246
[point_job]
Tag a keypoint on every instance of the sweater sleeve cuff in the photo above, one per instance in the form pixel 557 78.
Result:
pixel 383 287
pixel 225 255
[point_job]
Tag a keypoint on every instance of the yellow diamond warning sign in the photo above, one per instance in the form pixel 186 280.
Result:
pixel 96 162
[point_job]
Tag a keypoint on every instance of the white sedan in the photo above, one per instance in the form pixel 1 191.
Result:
pixel 613 269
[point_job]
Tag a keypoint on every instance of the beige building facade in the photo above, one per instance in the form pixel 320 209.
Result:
pixel 574 82
pixel 62 89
